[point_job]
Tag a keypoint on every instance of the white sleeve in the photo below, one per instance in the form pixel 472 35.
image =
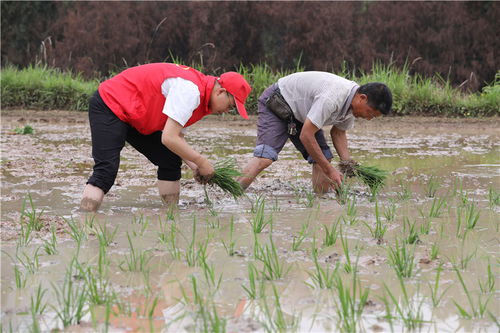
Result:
pixel 182 98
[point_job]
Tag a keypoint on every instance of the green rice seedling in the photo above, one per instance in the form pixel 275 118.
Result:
pixel 136 261
pixel 351 210
pixel 471 216
pixel 171 213
pixel 274 268
pixel 31 216
pixel 230 245
pixel 489 285
pixel 225 172
pixel 436 296
pixel 310 199
pixel 20 278
pixel 50 245
pixel 26 129
pixel 405 192
pixel 409 312
pixel 297 240
pixel 105 236
pixel 201 252
pixel 213 223
pixel 103 261
pixel 465 256
pixel 410 229
pixel 434 251
pixel 342 192
pixel 206 316
pixel 98 288
pixel 330 234
pixel 256 247
pixel 432 187
pixel 38 306
pixel 348 267
pixel 493 197
pixel 143 223
pixel 477 309
pixel 436 207
pixel 76 231
pixel 255 287
pixel 371 176
pixel 191 253
pixel 30 262
pixel 390 212
pixel 276 205
pixel 277 320
pixel 425 227
pixel 259 219
pixel 71 298
pixel 350 304
pixel 322 278
pixel 380 228
pixel 25 235
pixel 169 237
pixel 402 259
pixel 209 273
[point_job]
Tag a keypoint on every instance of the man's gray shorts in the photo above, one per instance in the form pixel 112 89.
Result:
pixel 272 133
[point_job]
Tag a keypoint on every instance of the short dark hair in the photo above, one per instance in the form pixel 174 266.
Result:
pixel 379 96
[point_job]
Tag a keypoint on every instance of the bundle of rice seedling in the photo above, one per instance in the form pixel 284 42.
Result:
pixel 371 176
pixel 225 172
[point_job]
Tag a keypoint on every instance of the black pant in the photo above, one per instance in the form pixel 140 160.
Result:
pixel 109 135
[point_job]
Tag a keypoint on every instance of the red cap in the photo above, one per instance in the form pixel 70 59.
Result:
pixel 236 85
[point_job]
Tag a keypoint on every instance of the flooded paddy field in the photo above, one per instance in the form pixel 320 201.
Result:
pixel 421 256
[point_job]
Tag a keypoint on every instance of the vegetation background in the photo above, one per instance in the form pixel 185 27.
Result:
pixel 454 43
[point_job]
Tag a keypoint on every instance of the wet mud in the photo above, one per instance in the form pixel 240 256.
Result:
pixel 429 159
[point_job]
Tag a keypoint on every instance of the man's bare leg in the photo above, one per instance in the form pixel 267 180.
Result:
pixel 252 169
pixel 169 192
pixel 320 182
pixel 92 198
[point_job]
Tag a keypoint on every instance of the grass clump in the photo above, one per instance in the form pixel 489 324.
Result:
pixel 225 172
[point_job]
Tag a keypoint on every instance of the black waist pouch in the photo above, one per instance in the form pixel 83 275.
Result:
pixel 277 104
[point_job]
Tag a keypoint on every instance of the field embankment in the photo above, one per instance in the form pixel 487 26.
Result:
pixel 41 87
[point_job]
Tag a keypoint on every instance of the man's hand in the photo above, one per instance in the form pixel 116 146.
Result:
pixel 335 176
pixel 204 172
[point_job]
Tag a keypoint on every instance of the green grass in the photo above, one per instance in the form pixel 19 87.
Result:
pixel 41 87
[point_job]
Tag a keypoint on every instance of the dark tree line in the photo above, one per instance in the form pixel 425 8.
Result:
pixel 458 40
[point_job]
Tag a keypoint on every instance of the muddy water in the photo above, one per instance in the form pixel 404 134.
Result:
pixel 51 166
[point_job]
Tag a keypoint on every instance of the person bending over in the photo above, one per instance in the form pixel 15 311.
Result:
pixel 298 106
pixel 148 106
